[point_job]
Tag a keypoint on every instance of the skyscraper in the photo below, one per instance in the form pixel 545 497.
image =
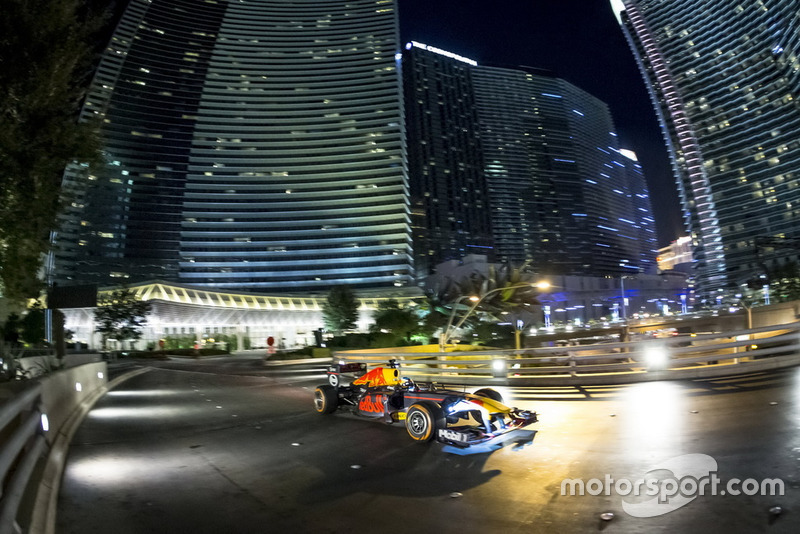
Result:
pixel 725 81
pixel 560 191
pixel 641 211
pixel 252 145
pixel 533 153
pixel 450 204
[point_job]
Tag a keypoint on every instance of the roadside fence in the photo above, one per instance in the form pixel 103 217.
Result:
pixel 676 357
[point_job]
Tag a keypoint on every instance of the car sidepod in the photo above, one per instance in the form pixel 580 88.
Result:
pixel 372 404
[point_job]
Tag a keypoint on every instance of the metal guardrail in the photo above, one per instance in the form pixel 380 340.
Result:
pixel 646 359
pixel 23 444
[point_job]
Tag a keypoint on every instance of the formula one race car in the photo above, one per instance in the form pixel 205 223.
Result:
pixel 429 411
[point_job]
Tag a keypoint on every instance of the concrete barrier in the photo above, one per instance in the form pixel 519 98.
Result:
pixel 66 390
pixel 42 365
pixel 65 396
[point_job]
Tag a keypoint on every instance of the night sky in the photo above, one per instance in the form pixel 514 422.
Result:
pixel 579 41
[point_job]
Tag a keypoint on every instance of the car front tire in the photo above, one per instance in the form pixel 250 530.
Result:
pixel 490 393
pixel 423 420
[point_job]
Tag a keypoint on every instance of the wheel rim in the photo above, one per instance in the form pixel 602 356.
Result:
pixel 418 423
pixel 319 401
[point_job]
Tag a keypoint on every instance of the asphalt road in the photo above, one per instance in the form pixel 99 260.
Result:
pixel 227 446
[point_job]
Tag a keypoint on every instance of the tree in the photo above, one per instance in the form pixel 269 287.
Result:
pixel 446 292
pixel 11 330
pixel 433 319
pixel 490 333
pixel 392 318
pixel 499 291
pixel 121 316
pixel 340 310
pixel 33 325
pixel 45 66
pixel 785 282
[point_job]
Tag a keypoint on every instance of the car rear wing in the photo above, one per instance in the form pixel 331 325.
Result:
pixel 352 370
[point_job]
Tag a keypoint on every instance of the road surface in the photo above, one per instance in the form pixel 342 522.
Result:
pixel 228 446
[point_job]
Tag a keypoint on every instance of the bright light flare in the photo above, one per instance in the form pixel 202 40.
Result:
pixel 653 414
pixel 142 393
pixel 150 412
pixel 656 358
pixel 124 472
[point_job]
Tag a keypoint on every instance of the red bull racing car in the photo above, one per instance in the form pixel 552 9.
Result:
pixel 430 412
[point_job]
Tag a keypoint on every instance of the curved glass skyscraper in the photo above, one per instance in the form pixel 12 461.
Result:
pixel 725 80
pixel 561 192
pixel 253 145
pixel 522 167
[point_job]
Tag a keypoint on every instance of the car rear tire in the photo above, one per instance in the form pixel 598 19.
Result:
pixel 489 393
pixel 423 420
pixel 326 399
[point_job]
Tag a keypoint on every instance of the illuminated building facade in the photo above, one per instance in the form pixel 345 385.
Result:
pixel 519 166
pixel 725 80
pixel 676 255
pixel 252 145
pixel 640 211
pixel 189 312
pixel 562 194
pixel 450 206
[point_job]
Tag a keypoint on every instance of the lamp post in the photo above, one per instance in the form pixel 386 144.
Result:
pixel 624 299
pixel 518 324
pixel 445 337
pixel 749 310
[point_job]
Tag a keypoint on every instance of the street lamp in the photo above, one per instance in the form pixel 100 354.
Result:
pixel 624 298
pixel 519 324
pixel 448 332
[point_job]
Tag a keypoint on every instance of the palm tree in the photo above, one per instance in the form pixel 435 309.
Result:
pixel 503 287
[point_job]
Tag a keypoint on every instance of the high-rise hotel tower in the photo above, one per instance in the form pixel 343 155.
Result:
pixel 251 145
pixel 561 191
pixel 533 154
pixel 725 80
pixel 449 197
